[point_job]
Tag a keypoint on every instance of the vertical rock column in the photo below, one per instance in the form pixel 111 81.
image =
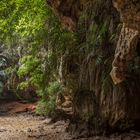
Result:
pixel 126 47
pixel 124 54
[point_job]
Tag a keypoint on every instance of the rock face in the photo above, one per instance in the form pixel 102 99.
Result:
pixel 129 12
pixel 124 54
pixel 68 11
pixel 129 37
pixel 117 101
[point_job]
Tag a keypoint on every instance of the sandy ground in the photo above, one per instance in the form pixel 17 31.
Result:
pixel 27 126
pixel 19 122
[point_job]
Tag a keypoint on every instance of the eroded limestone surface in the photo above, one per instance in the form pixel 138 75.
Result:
pixel 130 34
pixel 124 54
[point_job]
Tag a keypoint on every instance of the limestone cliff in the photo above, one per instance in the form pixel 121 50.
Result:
pixel 129 12
pixel 69 11
pixel 116 101
pixel 129 37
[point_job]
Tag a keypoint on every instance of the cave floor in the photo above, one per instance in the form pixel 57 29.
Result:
pixel 18 123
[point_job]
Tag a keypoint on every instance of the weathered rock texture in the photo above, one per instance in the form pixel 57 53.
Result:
pixel 129 36
pixel 98 96
pixel 68 11
pixel 124 54
pixel 130 12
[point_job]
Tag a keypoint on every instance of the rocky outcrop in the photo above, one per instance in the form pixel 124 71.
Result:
pixel 129 12
pixel 113 103
pixel 124 54
pixel 68 11
pixel 129 37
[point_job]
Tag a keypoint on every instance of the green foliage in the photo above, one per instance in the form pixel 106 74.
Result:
pixel 39 42
pixel 22 17
pixel 54 87
pixel 48 107
pixel 32 74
